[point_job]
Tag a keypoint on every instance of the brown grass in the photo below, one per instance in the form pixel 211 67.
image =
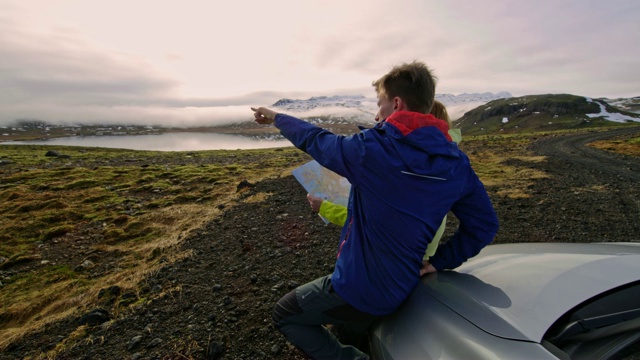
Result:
pixel 629 146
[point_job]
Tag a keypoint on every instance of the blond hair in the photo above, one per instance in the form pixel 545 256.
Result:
pixel 440 111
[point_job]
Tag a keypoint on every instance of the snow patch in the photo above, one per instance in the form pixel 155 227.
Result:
pixel 615 117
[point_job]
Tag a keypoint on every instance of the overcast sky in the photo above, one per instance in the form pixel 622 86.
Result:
pixel 198 62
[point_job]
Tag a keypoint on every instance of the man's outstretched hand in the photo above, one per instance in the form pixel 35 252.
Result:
pixel 263 115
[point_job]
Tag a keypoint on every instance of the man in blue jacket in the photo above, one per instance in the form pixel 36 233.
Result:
pixel 405 175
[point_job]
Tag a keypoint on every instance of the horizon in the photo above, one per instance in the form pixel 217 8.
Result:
pixel 194 61
pixel 230 115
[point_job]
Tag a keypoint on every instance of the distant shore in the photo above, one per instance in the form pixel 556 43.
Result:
pixel 28 133
pixel 40 131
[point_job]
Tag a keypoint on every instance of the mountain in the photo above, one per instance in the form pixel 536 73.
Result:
pixel 542 112
pixel 354 101
pixel 626 104
pixel 359 108
pixel 476 113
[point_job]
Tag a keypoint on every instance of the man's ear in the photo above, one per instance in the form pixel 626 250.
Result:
pixel 399 104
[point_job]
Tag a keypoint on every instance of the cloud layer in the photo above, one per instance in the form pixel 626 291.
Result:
pixel 196 62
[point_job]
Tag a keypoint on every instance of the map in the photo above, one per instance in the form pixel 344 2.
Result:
pixel 323 183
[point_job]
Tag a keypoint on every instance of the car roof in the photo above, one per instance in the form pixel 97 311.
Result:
pixel 517 291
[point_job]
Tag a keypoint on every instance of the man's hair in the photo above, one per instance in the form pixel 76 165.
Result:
pixel 412 82
pixel 440 111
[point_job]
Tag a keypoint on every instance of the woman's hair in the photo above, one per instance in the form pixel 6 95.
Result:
pixel 440 111
pixel 412 82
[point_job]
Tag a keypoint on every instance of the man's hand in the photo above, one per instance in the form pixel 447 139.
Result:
pixel 315 203
pixel 427 268
pixel 263 115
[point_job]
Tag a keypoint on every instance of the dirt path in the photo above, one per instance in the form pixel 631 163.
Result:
pixel 596 189
pixel 588 161
pixel 217 302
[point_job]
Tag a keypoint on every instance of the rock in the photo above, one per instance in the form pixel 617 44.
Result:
pixel 54 153
pixel 135 341
pixel 95 317
pixel 110 291
pixel 215 351
pixel 87 264
pixel 244 184
pixel 128 298
pixel 154 343
pixel 277 287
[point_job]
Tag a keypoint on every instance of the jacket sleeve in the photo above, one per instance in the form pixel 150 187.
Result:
pixel 338 153
pixel 433 245
pixel 478 226
pixel 336 214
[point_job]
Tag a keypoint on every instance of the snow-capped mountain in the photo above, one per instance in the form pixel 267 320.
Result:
pixel 450 99
pixel 354 101
pixel 361 108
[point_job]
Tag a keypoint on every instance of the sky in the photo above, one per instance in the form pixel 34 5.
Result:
pixel 197 62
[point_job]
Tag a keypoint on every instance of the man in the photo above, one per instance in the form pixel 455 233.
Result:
pixel 405 175
pixel 337 214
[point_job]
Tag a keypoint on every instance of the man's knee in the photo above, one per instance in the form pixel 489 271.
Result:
pixel 286 306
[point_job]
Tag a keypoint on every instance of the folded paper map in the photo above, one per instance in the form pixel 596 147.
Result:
pixel 323 183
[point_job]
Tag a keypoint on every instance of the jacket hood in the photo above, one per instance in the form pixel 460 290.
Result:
pixel 426 133
pixel 408 121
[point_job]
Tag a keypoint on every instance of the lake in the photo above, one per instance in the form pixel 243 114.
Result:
pixel 184 141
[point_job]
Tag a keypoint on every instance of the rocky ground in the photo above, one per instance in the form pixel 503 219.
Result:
pixel 216 304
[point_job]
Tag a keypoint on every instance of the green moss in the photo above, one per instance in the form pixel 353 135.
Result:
pixel 56 232
pixel 134 227
pixel 114 234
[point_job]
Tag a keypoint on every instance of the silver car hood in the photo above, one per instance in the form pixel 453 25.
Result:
pixel 517 291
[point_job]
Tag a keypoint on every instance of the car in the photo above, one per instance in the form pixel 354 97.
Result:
pixel 522 301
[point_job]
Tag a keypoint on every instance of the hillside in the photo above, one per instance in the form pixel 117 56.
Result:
pixel 206 291
pixel 542 113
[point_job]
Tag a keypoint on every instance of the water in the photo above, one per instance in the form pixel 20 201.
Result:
pixel 185 141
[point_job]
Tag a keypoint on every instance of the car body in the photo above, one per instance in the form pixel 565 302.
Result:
pixel 522 301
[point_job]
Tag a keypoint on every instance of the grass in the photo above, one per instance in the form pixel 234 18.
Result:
pixel 131 209
pixel 501 161
pixel 629 146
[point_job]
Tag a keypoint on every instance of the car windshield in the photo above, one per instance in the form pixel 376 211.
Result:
pixel 606 327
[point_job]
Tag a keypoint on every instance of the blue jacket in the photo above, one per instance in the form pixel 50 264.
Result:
pixel 394 169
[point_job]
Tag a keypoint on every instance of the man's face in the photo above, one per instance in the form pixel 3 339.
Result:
pixel 385 107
